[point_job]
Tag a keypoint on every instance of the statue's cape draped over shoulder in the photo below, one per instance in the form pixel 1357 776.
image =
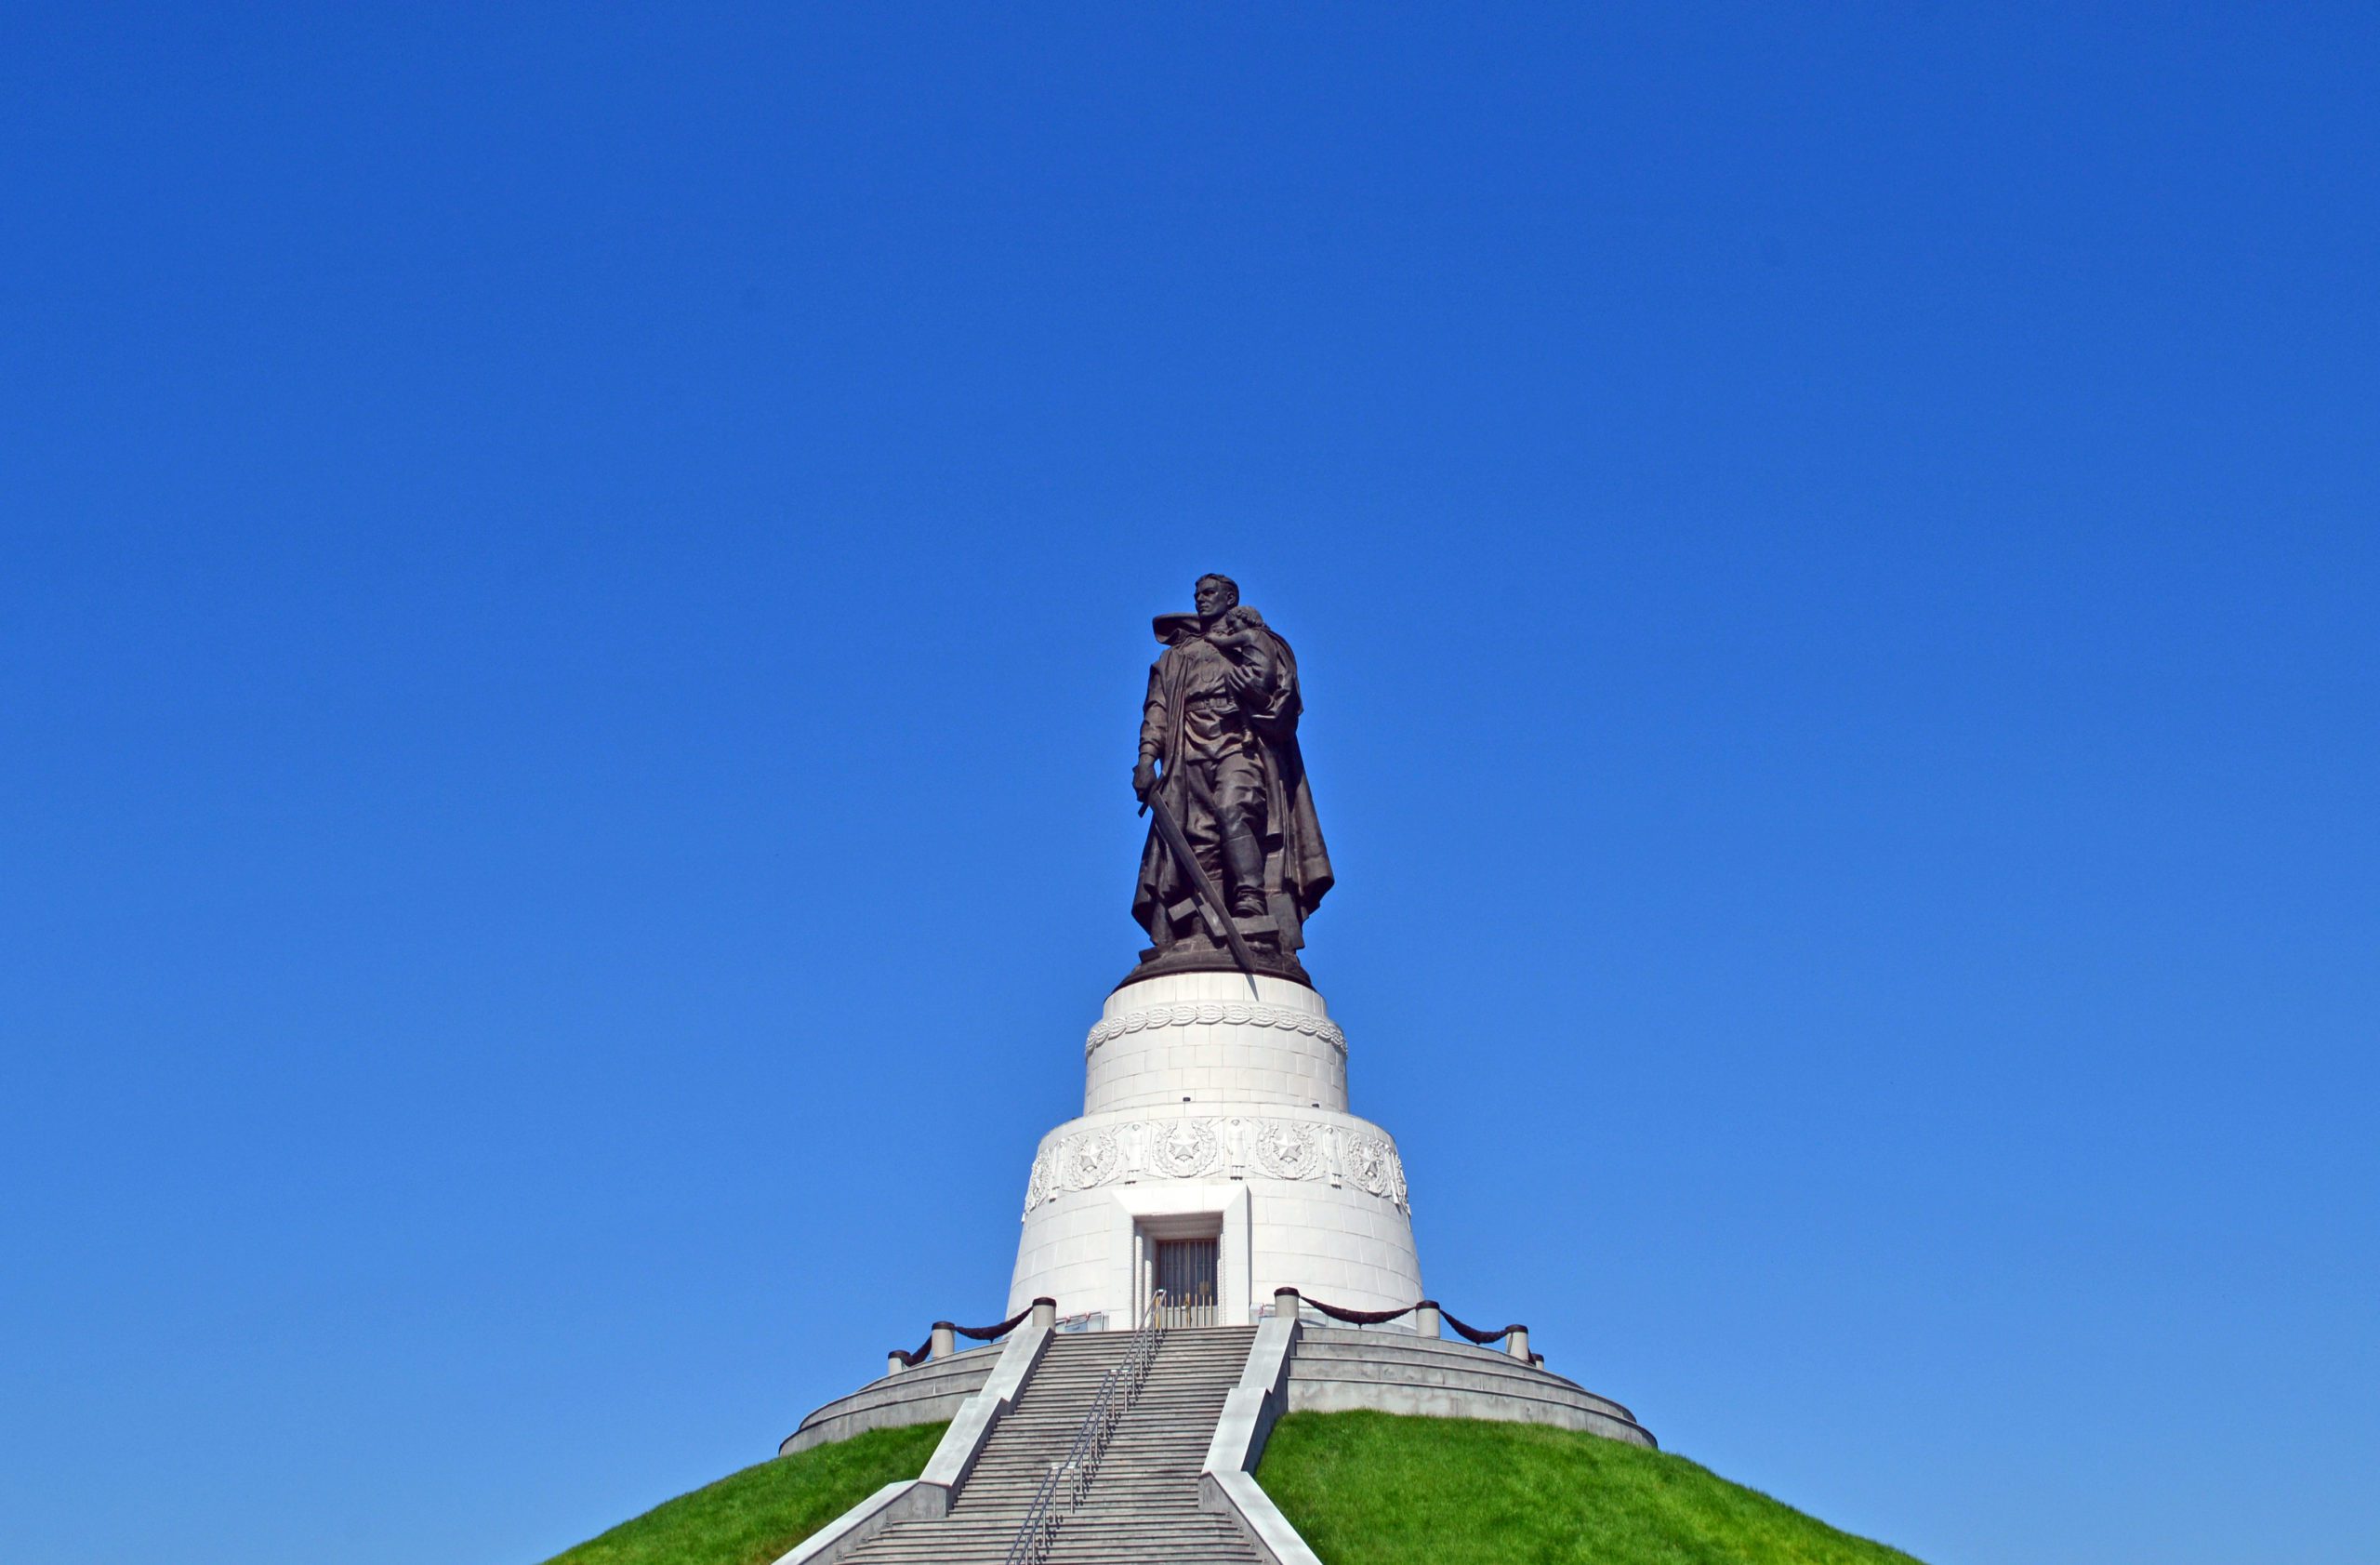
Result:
pixel 1289 821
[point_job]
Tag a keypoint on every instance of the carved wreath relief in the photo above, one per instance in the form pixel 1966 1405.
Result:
pixel 1285 1149
pixel 1234 1145
pixel 1185 1149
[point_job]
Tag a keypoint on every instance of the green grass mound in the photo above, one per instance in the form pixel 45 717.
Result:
pixel 752 1516
pixel 1378 1489
pixel 1364 1488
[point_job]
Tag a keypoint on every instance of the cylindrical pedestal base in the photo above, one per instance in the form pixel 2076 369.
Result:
pixel 1218 1164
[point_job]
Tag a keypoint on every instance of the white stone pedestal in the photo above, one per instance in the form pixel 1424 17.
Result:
pixel 1208 1113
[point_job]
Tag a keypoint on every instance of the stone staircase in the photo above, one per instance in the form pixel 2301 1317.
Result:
pixel 1143 1506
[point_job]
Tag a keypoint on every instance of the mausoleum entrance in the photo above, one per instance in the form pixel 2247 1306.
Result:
pixel 1181 1259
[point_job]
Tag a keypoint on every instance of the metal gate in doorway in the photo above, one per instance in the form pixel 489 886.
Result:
pixel 1186 1273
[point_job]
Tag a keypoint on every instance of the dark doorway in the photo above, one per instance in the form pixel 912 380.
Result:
pixel 1185 1274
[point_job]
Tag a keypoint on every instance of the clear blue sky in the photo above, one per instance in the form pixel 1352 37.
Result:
pixel 577 587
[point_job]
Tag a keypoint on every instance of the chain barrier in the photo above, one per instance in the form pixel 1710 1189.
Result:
pixel 993 1333
pixel 1383 1317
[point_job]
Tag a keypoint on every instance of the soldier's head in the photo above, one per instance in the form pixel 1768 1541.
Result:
pixel 1214 595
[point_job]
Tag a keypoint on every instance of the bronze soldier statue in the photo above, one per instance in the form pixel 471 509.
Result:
pixel 1219 755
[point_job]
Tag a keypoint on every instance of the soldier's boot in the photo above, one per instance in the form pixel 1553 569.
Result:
pixel 1244 857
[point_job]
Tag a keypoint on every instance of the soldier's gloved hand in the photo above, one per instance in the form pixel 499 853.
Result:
pixel 1144 777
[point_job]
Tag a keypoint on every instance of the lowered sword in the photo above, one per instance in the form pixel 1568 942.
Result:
pixel 1170 829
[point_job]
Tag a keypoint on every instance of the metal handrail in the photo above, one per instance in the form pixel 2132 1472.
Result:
pixel 1118 1388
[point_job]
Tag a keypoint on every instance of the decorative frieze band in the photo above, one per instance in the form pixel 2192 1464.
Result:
pixel 1231 1147
pixel 1234 1012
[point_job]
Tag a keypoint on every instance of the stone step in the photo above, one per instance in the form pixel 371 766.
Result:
pixel 1038 1462
pixel 1126 1548
pixel 1155 1385
pixel 1121 1451
pixel 1150 1408
pixel 957 1525
pixel 1223 1546
pixel 1059 1438
pixel 1151 1411
pixel 1028 1477
pixel 1072 1374
pixel 1217 1538
pixel 1151 1487
pixel 1111 1550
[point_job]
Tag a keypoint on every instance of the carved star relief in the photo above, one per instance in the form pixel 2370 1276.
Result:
pixel 1286 1146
